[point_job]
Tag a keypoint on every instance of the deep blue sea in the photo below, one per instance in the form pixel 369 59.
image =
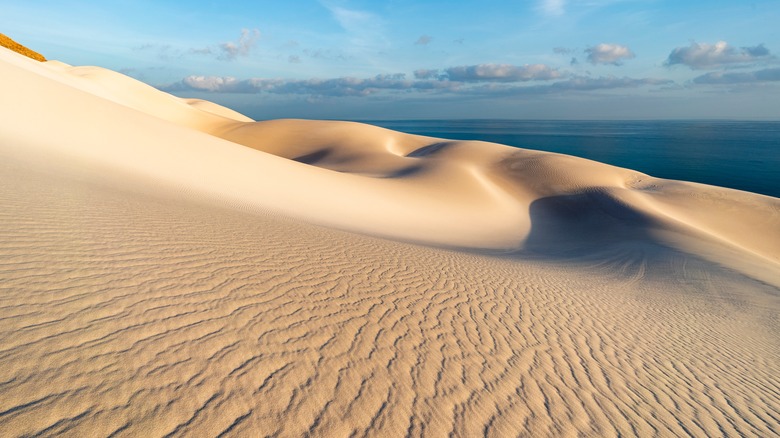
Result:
pixel 737 154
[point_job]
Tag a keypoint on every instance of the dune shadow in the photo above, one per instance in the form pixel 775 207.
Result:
pixel 593 233
pixel 429 149
pixel 314 157
pixel 404 172
pixel 590 225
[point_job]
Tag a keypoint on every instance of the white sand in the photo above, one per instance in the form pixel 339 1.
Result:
pixel 169 266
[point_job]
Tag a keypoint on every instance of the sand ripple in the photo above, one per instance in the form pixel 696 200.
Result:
pixel 126 315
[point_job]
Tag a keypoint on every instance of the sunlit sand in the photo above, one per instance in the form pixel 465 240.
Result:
pixel 169 266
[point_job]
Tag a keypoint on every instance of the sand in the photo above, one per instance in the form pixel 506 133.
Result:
pixel 169 267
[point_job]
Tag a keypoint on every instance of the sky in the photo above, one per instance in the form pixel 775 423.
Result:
pixel 416 59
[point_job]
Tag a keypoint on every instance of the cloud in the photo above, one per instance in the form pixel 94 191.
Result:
pixel 427 81
pixel 608 54
pixel 206 83
pixel 230 50
pixel 326 54
pixel 424 40
pixel 552 7
pixel 165 52
pixel 703 55
pixel 721 78
pixel 427 74
pixel 562 50
pixel 365 30
pixel 336 87
pixel 227 51
pixel 352 19
pixel 605 83
pixel 294 59
pixel 756 51
pixel 573 85
pixel 501 73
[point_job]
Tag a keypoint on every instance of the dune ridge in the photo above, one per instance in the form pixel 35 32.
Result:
pixel 170 267
pixel 494 192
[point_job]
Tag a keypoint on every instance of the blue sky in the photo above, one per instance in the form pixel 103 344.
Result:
pixel 357 59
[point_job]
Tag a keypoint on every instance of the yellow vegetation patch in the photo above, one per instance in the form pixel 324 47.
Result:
pixel 18 48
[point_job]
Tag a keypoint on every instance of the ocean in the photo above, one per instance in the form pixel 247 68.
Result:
pixel 736 154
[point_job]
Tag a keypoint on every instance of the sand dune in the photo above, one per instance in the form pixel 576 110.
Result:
pixel 169 267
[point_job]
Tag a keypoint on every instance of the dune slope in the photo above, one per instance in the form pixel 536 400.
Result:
pixel 169 267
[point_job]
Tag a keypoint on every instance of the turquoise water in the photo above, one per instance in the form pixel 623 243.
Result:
pixel 735 154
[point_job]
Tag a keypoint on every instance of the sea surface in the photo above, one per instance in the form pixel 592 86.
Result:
pixel 736 154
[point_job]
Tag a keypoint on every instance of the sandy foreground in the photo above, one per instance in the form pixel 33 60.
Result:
pixel 169 267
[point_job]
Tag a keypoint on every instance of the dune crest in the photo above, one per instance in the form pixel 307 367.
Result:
pixel 170 267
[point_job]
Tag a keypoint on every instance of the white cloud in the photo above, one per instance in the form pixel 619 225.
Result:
pixel 501 72
pixel 552 7
pixel 209 83
pixel 703 55
pixel 364 28
pixel 608 54
pixel 426 81
pixel 338 87
pixel 246 42
pixel 350 19
pixel 230 50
